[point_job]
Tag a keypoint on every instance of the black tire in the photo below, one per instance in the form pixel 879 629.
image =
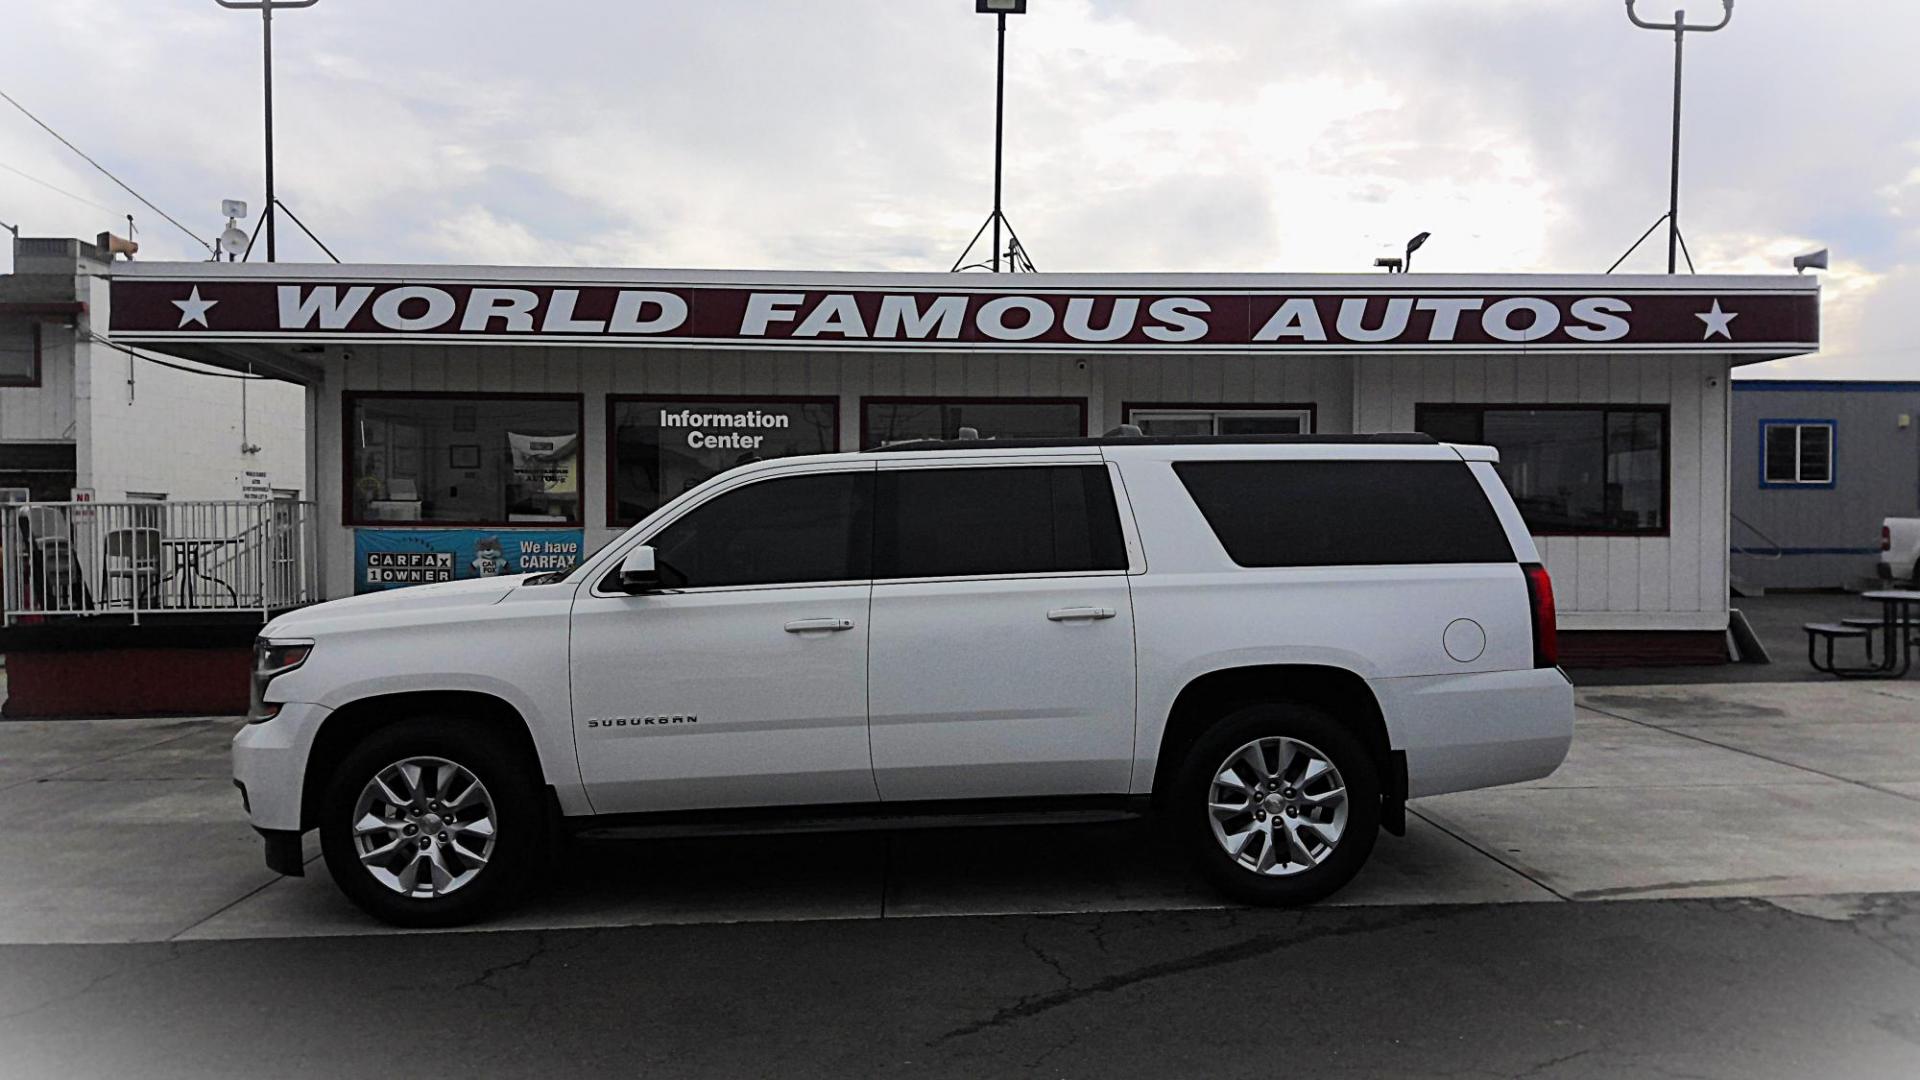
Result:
pixel 520 832
pixel 1193 821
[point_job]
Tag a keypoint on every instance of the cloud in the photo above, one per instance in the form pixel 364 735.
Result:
pixel 1241 135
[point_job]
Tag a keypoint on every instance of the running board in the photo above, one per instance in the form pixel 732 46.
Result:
pixel 860 818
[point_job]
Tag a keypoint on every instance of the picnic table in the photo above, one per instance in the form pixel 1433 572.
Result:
pixel 1899 610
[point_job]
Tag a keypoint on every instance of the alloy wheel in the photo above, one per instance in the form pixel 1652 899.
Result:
pixel 424 827
pixel 1278 806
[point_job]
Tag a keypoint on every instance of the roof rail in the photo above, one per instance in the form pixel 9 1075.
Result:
pixel 1397 438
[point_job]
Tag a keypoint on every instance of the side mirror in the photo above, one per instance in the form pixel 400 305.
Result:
pixel 638 573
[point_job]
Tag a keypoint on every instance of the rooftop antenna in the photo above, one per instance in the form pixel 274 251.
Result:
pixel 234 240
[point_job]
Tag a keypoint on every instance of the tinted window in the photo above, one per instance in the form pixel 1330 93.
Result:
pixel 663 447
pixel 789 531
pixel 1005 520
pixel 1346 513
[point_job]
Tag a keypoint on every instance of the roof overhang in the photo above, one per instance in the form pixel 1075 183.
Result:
pixel 205 309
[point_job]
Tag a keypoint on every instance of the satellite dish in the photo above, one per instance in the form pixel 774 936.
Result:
pixel 234 240
pixel 1814 260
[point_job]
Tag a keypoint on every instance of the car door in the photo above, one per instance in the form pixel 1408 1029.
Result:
pixel 743 682
pixel 1002 632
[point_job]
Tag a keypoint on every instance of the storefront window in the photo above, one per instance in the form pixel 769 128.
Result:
pixel 463 459
pixel 1194 420
pixel 661 447
pixel 1598 470
pixel 890 420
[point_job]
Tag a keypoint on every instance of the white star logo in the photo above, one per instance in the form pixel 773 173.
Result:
pixel 194 310
pixel 1717 321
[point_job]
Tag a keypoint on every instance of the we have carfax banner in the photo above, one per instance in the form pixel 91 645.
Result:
pixel 394 558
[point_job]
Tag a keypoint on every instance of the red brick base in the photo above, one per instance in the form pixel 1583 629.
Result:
pixel 128 682
pixel 1642 648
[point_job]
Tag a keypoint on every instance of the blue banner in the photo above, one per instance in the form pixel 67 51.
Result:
pixel 394 558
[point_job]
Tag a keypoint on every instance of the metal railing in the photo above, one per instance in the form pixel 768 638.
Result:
pixel 149 557
pixel 1742 549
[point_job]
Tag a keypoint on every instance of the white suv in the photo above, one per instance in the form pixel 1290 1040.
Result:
pixel 1275 642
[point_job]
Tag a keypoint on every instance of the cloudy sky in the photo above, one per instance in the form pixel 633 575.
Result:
pixel 1231 135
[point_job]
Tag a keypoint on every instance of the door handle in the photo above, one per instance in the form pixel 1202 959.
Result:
pixel 801 626
pixel 1068 614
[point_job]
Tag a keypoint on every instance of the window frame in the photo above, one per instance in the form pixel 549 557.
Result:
pixel 33 378
pixel 349 399
pixel 1420 411
pixel 1800 425
pixel 936 399
pixel 1225 408
pixel 611 512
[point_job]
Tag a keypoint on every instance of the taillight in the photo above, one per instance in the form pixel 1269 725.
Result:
pixel 1886 538
pixel 1546 638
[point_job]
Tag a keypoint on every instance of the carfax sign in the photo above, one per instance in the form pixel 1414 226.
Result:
pixel 392 558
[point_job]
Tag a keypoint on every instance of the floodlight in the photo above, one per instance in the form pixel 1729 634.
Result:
pixel 1813 260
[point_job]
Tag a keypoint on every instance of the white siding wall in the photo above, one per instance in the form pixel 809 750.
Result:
pixel 42 413
pixel 179 433
pixel 1672 582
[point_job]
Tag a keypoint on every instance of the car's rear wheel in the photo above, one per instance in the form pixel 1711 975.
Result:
pixel 430 822
pixel 1278 803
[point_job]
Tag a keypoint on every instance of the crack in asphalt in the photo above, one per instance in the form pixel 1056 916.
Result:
pixel 1536 1070
pixel 1032 1005
pixel 483 981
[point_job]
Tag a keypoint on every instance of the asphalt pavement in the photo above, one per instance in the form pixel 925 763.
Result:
pixel 1722 881
pixel 1741 989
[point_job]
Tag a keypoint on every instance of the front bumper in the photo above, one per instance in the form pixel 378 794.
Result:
pixel 270 765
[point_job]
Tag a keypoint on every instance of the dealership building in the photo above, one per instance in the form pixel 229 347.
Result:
pixel 475 420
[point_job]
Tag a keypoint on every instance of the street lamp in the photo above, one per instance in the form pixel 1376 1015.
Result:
pixel 1680 27
pixel 267 8
pixel 1414 245
pixel 999 9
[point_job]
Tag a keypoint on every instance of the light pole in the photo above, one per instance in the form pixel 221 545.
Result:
pixel 1414 245
pixel 1680 28
pixel 267 8
pixel 1000 9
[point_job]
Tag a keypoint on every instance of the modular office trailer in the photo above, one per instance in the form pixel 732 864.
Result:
pixel 1816 467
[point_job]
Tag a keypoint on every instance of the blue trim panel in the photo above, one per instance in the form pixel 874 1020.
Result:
pixel 1826 386
pixel 1833 453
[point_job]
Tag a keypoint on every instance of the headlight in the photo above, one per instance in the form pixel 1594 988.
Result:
pixel 270 660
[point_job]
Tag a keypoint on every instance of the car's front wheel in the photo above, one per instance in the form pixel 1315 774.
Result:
pixel 431 822
pixel 1279 804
